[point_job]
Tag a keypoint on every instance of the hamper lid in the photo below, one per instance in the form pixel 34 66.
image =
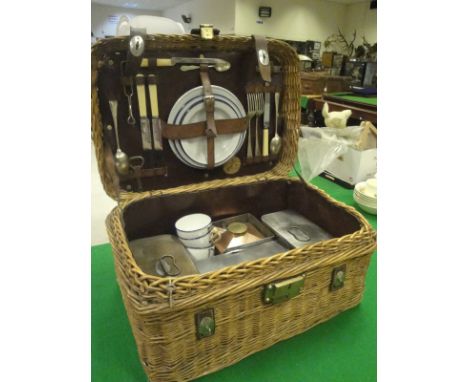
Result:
pixel 117 76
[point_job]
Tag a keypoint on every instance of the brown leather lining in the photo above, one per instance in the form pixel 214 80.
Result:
pixel 157 215
pixel 198 129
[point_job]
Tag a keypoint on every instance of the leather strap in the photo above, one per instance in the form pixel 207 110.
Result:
pixel 198 129
pixel 210 132
pixel 263 58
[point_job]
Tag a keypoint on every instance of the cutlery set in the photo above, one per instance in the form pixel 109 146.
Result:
pixel 258 105
pixel 263 140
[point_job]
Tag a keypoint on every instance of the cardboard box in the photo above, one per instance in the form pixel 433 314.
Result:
pixel 354 166
pixel 357 164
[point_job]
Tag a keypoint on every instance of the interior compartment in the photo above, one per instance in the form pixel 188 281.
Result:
pixel 157 215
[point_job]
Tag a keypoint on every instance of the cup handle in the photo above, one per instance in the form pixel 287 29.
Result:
pixel 215 235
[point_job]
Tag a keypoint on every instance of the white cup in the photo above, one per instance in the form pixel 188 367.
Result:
pixel 201 253
pixel 193 226
pixel 205 241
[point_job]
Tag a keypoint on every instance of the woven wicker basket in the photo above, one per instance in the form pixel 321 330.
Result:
pixel 162 310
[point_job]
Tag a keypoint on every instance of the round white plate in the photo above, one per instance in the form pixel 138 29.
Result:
pixel 223 111
pixel 189 108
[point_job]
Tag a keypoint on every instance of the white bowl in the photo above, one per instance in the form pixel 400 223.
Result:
pixel 201 253
pixel 199 242
pixel 365 190
pixel 365 199
pixel 370 208
pixel 193 226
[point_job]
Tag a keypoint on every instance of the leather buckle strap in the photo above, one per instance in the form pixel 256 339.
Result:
pixel 263 58
pixel 209 101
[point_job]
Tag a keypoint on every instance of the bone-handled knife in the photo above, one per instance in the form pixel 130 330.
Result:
pixel 266 125
pixel 144 122
pixel 150 62
pixel 155 120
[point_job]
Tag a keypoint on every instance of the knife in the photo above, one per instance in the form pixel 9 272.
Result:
pixel 144 122
pixel 266 125
pixel 155 120
pixel 146 62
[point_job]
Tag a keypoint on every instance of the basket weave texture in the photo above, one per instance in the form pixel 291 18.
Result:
pixel 161 310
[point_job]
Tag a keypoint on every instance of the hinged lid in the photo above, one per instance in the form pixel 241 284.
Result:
pixel 147 89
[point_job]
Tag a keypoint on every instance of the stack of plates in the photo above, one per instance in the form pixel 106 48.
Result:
pixel 190 108
pixel 365 195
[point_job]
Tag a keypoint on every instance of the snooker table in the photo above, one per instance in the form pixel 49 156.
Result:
pixel 364 108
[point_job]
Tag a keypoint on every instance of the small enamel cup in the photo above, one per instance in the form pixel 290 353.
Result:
pixel 193 226
pixel 201 253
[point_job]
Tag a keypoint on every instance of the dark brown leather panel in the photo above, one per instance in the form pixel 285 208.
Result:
pixel 331 218
pixel 172 83
pixel 157 215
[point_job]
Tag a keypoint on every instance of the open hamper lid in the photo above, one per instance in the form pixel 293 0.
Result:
pixel 163 132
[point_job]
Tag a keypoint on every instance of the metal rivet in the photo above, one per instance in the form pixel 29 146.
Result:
pixel 109 127
pixel 110 62
pixel 267 300
pixel 270 287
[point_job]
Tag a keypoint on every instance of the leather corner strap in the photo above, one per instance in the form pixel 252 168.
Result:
pixel 263 58
pixel 209 100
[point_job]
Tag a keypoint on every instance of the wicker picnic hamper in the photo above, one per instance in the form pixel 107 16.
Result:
pixel 163 310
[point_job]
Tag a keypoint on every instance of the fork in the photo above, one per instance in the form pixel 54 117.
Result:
pixel 251 112
pixel 259 104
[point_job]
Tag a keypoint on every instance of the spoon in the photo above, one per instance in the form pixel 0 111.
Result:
pixel 121 159
pixel 222 67
pixel 275 143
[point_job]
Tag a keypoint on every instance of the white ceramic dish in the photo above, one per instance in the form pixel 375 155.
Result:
pixel 224 109
pixel 189 108
pixel 370 208
pixel 200 242
pixel 365 190
pixel 193 226
pixel 365 199
pixel 201 253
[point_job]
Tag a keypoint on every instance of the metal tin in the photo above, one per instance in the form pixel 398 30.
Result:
pixel 247 253
pixel 294 229
pixel 162 255
pixel 241 231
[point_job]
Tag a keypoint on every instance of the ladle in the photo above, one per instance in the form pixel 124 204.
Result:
pixel 275 144
pixel 121 159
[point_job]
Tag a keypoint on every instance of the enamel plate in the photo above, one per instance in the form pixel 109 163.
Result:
pixel 189 108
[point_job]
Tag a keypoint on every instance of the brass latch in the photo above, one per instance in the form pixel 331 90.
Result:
pixel 206 31
pixel 280 291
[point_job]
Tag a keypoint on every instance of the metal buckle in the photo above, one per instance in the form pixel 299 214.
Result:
pixel 209 101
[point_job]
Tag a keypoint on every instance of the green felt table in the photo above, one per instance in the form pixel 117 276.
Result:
pixel 340 350
pixel 351 97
